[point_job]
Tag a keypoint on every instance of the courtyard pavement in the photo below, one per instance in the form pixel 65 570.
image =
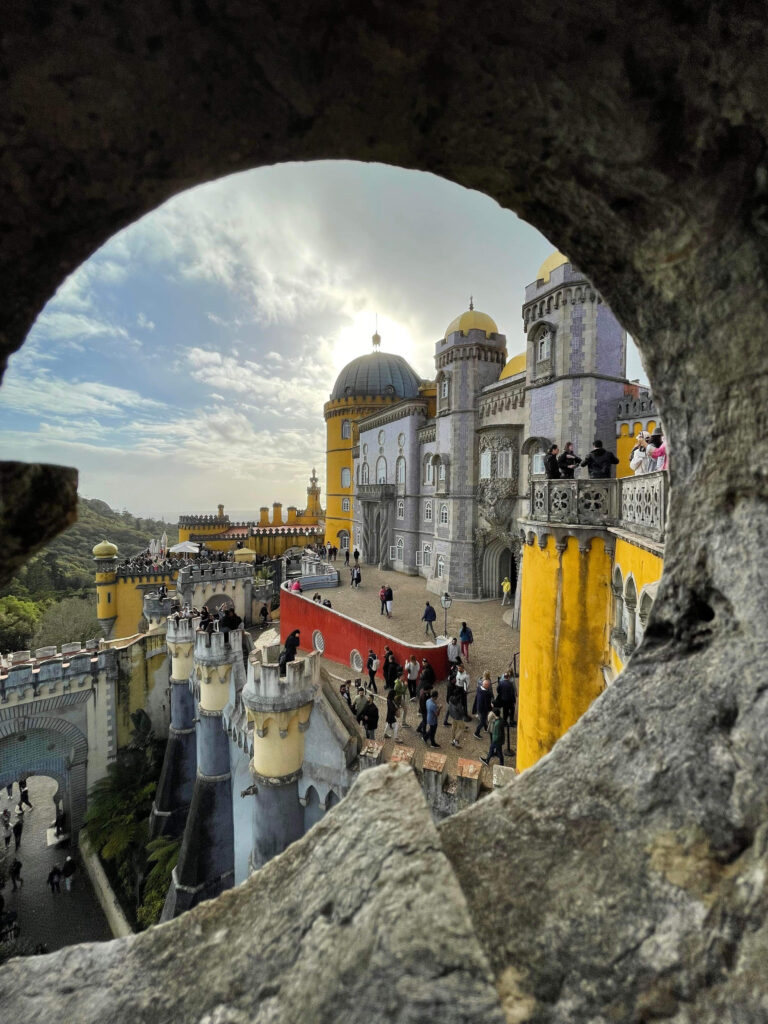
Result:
pixel 55 920
pixel 495 644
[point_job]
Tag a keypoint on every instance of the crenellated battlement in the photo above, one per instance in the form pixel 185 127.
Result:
pixel 213 572
pixel 52 671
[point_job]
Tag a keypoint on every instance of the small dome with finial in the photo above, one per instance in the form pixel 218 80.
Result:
pixel 105 550
pixel 472 320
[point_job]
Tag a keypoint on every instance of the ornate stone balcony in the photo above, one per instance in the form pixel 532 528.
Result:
pixel 374 492
pixel 636 504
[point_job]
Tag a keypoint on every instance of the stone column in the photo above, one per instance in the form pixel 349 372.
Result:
pixel 206 864
pixel 177 778
pixel 279 709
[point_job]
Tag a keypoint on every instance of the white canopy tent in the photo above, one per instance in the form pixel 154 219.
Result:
pixel 186 547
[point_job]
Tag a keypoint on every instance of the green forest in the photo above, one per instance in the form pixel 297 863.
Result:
pixel 52 598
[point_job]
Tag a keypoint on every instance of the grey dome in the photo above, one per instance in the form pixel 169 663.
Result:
pixel 378 373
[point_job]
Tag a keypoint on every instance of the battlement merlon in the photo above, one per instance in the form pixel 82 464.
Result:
pixel 266 690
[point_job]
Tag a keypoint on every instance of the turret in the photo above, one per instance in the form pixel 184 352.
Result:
pixel 279 708
pixel 177 777
pixel 314 509
pixel 105 557
pixel 206 864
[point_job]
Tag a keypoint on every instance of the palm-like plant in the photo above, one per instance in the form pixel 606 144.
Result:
pixel 163 853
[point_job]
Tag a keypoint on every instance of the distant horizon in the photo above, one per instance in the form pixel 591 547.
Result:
pixel 194 351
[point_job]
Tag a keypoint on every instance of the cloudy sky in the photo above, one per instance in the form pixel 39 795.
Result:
pixel 186 363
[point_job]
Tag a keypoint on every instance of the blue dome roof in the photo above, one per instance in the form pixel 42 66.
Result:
pixel 376 374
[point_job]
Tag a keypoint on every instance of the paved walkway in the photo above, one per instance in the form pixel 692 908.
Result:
pixel 495 645
pixel 53 920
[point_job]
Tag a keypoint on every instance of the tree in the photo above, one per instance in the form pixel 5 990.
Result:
pixel 18 621
pixel 72 620
pixel 163 853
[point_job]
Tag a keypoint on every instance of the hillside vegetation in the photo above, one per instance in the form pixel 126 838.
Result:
pixel 64 570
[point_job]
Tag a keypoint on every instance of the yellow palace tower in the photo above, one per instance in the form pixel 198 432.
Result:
pixel 365 385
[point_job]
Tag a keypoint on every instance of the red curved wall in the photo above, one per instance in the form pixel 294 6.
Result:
pixel 342 635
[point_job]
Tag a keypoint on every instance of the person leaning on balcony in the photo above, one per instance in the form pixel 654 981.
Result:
pixel 568 461
pixel 640 461
pixel 551 466
pixel 599 462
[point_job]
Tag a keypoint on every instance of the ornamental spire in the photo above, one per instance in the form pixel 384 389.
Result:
pixel 471 304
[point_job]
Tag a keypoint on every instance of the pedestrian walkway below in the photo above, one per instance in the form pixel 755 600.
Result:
pixel 53 920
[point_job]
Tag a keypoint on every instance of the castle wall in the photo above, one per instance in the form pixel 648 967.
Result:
pixel 564 630
pixel 242 811
pixel 644 568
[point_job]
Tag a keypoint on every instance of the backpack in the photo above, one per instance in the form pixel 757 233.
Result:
pixel 375 665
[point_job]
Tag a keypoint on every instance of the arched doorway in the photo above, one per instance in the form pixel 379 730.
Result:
pixel 41 745
pixel 498 562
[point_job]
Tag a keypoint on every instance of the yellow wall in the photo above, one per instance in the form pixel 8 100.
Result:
pixel 274 755
pixel 625 442
pixel 564 635
pixel 129 601
pixel 645 568
pixel 339 455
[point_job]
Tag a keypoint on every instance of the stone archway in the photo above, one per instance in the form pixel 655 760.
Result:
pixel 641 154
pixel 43 745
pixel 498 562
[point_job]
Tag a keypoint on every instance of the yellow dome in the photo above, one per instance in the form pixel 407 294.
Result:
pixel 472 320
pixel 515 365
pixel 551 263
pixel 105 550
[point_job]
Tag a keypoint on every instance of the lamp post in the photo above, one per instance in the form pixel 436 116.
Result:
pixel 446 601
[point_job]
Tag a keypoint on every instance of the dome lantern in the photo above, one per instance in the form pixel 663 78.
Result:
pixel 104 549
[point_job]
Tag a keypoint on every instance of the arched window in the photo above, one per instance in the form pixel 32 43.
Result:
pixel 401 509
pixel 400 470
pixel 346 477
pixel 345 504
pixel 543 345
pixel 441 473
pixel 444 388
pixel 364 473
pixel 504 464
pixel 485 464
pixel 400 545
pixel 427 511
pixel 630 611
pixel 429 470
pixel 381 470
pixel 617 589
pixel 440 567
pixel 427 557
pixel 444 515
pixel 343 536
pixel 346 429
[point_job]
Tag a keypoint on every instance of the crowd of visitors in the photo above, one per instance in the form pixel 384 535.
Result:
pixel 648 455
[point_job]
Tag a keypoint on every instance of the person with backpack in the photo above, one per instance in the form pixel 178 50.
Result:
pixel 370 718
pixel 373 667
pixel 465 639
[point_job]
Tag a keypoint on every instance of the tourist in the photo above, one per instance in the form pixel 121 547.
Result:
pixel 506 698
pixel 372 665
pixel 456 714
pixel 7 833
pixel 483 700
pixel 344 691
pixel 388 598
pixel 54 879
pixel 461 688
pixel 401 697
pixel 657 451
pixel 427 678
pixel 292 642
pixel 429 617
pixel 383 598
pixel 496 729
pixel 346 556
pixel 316 598
pixel 568 461
pixel 421 728
pixel 599 462
pixel 358 576
pixel 18 828
pixel 14 873
pixel 327 603
pixel 465 639
pixel 296 587
pixel 506 591
pixel 452 651
pixel 9 790
pixel 433 713
pixel 264 615
pixel 640 461
pixel 357 556
pixel 392 726
pixel 370 718
pixel 390 671
pixel 551 466
pixel 24 794
pixel 68 871
pixel 413 676
pixel 361 702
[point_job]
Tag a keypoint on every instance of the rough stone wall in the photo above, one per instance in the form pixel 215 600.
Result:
pixel 634 855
